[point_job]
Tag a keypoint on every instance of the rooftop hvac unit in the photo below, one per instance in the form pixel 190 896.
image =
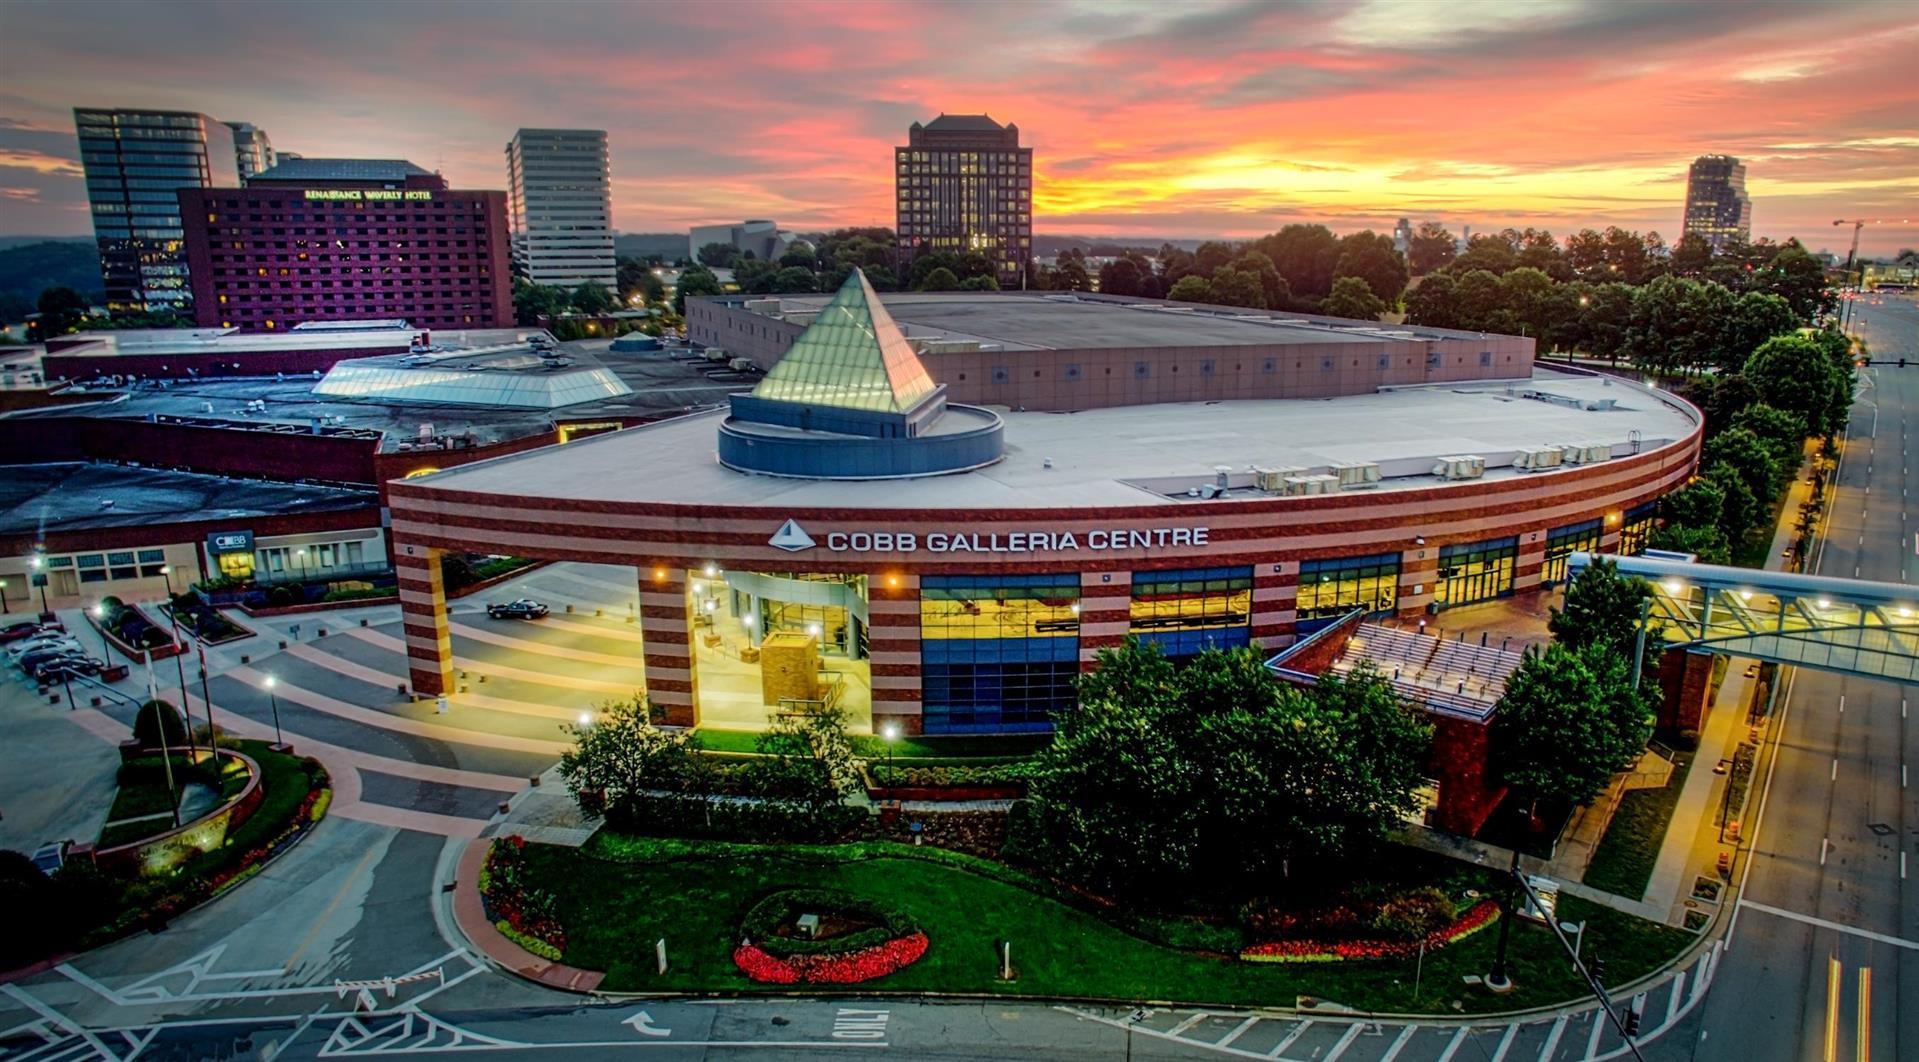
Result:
pixel 1462 466
pixel 1586 453
pixel 1273 480
pixel 762 306
pixel 1538 458
pixel 1600 405
pixel 1356 476
pixel 1299 486
pixel 741 365
pixel 714 354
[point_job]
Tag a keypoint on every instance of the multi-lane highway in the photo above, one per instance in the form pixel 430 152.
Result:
pixel 1823 960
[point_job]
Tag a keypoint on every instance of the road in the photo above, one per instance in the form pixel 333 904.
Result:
pixel 1823 959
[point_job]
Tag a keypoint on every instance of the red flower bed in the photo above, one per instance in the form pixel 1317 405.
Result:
pixel 532 912
pixel 1480 916
pixel 850 968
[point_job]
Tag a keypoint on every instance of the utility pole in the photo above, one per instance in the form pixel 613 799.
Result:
pixel 1585 971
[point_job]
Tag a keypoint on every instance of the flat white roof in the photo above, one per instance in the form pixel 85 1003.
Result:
pixel 221 340
pixel 1130 455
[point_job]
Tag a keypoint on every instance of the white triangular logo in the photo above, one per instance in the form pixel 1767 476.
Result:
pixel 791 538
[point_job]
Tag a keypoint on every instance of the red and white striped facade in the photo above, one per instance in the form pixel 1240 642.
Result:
pixel 664 542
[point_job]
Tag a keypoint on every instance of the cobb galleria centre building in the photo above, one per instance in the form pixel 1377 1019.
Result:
pixel 934 512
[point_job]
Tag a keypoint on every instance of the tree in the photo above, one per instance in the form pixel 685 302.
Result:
pixel 794 280
pixel 157 719
pixel 1236 287
pixel 1430 248
pixel 1662 336
pixel 1070 274
pixel 940 279
pixel 591 298
pixel 1568 721
pixel 1586 254
pixel 694 281
pixel 1481 303
pixel 1538 250
pixel 1797 277
pixel 1691 256
pixel 1795 374
pixel 1434 302
pixel 1305 255
pixel 979 284
pixel 1490 253
pixel 1371 257
pixel 1750 459
pixel 717 255
pixel 806 758
pixel 1707 542
pixel 1755 317
pixel 621 756
pixel 1214 779
pixel 1741 509
pixel 1781 433
pixel 1700 503
pixel 1606 319
pixel 1529 295
pixel 61 310
pixel 1212 254
pixel 1191 288
pixel 1120 276
pixel 534 301
pixel 1601 612
pixel 1279 294
pixel 1352 298
pixel 631 278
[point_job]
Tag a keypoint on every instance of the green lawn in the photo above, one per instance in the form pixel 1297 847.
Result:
pixel 620 894
pixel 1623 862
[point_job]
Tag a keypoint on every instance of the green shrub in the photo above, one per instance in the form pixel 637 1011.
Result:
pixel 359 593
pixel 990 774
pixel 734 820
pixel 153 716
pixel 779 910
pixel 1415 915
pixel 280 596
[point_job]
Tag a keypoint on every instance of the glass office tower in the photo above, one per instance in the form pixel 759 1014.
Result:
pixel 135 162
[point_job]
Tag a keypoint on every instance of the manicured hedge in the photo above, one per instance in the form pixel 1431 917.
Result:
pixel 731 819
pixel 776 910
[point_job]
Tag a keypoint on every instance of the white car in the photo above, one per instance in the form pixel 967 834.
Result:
pixel 44 641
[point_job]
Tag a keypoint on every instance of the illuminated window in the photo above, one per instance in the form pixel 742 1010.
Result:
pixel 1478 571
pixel 998 652
pixel 1188 611
pixel 1637 528
pixel 1331 587
pixel 1563 542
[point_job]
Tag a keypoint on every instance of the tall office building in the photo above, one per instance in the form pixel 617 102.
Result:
pixel 1717 207
pixel 560 204
pixel 965 185
pixel 135 162
pixel 252 150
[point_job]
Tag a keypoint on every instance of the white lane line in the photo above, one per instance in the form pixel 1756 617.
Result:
pixel 1352 1033
pixel 1835 769
pixel 1505 1043
pixel 1552 1038
pixel 1405 1037
pixel 1902 865
pixel 1678 984
pixel 1238 1031
pixel 1825 845
pixel 58 1019
pixel 1824 923
pixel 1297 1032
pixel 1187 1024
pixel 1452 1046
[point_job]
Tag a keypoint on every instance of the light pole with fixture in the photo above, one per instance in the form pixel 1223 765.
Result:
pixel 891 733
pixel 279 744
pixel 39 579
pixel 179 666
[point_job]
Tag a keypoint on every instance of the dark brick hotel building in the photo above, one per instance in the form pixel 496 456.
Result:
pixel 347 239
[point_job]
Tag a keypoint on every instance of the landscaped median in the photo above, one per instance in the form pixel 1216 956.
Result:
pixel 927 921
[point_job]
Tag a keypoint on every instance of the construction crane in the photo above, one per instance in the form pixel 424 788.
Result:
pixel 1852 256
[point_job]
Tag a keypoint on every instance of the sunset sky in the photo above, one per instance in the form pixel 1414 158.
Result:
pixel 1147 120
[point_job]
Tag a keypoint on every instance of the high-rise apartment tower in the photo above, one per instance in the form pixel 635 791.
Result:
pixel 135 162
pixel 965 185
pixel 560 206
pixel 252 150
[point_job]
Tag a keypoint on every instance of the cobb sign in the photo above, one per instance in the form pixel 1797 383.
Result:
pixel 794 539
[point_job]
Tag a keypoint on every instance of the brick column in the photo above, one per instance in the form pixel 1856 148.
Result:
pixel 1685 681
pixel 893 641
pixel 429 647
pixel 1531 562
pixel 1467 792
pixel 666 638
pixel 1275 601
pixel 1418 574
pixel 1105 613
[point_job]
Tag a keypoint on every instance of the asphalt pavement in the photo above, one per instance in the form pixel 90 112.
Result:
pixel 1823 958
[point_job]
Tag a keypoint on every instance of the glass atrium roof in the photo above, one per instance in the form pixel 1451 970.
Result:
pixel 852 356
pixel 514 387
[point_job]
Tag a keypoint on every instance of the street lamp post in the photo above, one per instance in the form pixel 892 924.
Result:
pixel 179 666
pixel 274 700
pixel 891 732
pixel 1498 980
pixel 100 613
pixel 39 579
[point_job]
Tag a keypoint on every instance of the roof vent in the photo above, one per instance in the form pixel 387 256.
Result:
pixel 1461 466
pixel 1273 480
pixel 1356 476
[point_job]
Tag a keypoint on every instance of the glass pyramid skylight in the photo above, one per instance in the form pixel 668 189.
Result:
pixel 852 356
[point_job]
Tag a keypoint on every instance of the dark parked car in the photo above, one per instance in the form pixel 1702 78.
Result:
pixel 20 627
pixel 68 667
pixel 524 608
pixel 52 652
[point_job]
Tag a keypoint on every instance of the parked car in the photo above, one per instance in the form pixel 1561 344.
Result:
pixel 524 608
pixel 49 857
pixel 68 667
pixel 48 649
pixel 38 642
pixel 18 628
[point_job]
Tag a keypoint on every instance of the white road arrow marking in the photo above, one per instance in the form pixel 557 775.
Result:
pixel 642 1023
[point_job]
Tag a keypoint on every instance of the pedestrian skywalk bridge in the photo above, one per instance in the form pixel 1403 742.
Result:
pixel 1850 626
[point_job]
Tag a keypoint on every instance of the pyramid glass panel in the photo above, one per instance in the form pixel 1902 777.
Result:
pixel 852 357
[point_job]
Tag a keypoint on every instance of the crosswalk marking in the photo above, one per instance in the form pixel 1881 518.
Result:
pixel 1298 1031
pixel 1552 1039
pixel 1238 1031
pixel 1505 1043
pixel 1352 1033
pixel 1452 1045
pixel 1405 1037
pixel 1188 1023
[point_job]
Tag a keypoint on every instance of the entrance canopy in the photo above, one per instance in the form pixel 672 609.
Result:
pixel 1851 626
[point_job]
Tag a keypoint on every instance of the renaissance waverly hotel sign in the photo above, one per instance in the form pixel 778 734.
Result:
pixel 793 538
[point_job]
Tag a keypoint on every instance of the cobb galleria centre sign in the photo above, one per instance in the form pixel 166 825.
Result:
pixel 794 539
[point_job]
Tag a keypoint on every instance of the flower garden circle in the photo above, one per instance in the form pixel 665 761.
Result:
pixel 825 936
